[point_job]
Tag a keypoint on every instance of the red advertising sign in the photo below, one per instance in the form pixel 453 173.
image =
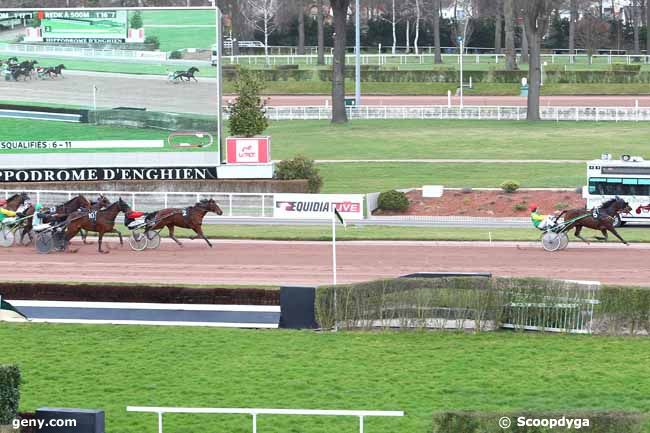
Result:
pixel 248 150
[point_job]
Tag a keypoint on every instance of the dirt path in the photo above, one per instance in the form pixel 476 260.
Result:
pixel 295 263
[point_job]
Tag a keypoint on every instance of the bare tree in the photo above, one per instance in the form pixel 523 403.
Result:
pixel 524 45
pixel 498 26
pixel 509 18
pixel 300 8
pixel 436 31
pixel 418 17
pixel 261 15
pixel 591 33
pixel 647 27
pixel 321 33
pixel 635 6
pixel 536 15
pixel 340 10
pixel 573 19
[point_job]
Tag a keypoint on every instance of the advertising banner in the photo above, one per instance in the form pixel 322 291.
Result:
pixel 84 26
pixel 253 150
pixel 107 174
pixel 318 206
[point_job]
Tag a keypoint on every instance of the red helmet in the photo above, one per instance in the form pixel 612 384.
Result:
pixel 3 202
pixel 532 207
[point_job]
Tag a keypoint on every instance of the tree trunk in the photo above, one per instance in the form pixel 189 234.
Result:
pixel 636 19
pixel 534 73
pixel 408 36
pixel 524 45
pixel 340 9
pixel 573 18
pixel 436 32
pixel 321 34
pixel 647 27
pixel 509 18
pixel 498 27
pixel 394 30
pixel 266 35
pixel 301 28
pixel 237 26
pixel 417 26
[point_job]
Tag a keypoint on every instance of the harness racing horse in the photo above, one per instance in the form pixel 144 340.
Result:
pixel 15 201
pixel 54 71
pixel 188 218
pixel 99 221
pixel 79 203
pixel 599 219
pixel 189 74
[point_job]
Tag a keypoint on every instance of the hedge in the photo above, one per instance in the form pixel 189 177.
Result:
pixel 138 294
pixel 484 422
pixel 596 77
pixel 484 303
pixel 9 393
pixel 443 75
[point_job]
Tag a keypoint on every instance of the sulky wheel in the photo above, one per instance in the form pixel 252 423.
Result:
pixel 564 240
pixel 44 242
pixel 24 238
pixel 138 241
pixel 153 240
pixel 6 237
pixel 551 241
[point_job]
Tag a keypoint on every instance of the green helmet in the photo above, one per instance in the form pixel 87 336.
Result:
pixel 38 206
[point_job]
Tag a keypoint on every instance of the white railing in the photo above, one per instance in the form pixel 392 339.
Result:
pixel 361 414
pixel 426 58
pixel 234 205
pixel 444 112
pixel 62 51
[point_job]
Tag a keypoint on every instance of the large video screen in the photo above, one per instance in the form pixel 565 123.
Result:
pixel 84 26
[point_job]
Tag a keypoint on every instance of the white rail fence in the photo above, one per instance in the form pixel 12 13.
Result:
pixel 234 205
pixel 444 112
pixel 425 57
pixel 62 51
pixel 428 59
pixel 361 414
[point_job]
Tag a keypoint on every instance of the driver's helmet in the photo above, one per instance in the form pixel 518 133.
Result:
pixel 38 207
pixel 533 207
pixel 3 202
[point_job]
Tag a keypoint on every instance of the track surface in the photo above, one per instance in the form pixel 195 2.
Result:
pixel 278 263
pixel 155 93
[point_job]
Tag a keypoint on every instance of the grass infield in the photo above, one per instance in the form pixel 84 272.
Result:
pixel 110 367
pixel 393 233
pixel 411 139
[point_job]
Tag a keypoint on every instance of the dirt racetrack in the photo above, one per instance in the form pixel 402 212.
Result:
pixel 296 263
pixel 157 94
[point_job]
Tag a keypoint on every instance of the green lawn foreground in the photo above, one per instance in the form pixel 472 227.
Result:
pixel 110 367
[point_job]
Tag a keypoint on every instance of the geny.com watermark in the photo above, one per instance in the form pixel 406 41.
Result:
pixel 39 424
pixel 564 422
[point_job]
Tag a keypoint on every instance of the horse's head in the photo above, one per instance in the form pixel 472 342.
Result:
pixel 211 206
pixel 124 206
pixel 24 197
pixel 621 206
pixel 193 69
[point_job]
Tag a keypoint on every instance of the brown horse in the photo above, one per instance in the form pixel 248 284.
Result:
pixel 76 204
pixel 187 218
pixel 16 201
pixel 99 221
pixel 599 219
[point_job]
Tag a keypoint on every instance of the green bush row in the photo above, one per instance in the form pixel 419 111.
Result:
pixel 450 76
pixel 482 422
pixel 9 393
pixel 484 303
